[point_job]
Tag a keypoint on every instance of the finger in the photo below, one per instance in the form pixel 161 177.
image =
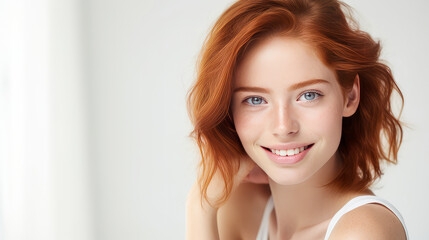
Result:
pixel 257 175
pixel 246 166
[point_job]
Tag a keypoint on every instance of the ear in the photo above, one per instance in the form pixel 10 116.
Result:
pixel 352 99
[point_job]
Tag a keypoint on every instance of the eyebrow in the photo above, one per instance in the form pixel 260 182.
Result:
pixel 307 83
pixel 291 88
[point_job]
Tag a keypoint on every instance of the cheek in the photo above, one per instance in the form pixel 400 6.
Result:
pixel 328 123
pixel 243 122
pixel 250 126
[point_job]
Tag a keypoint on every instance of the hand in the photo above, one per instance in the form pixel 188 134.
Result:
pixel 202 221
pixel 248 172
pixel 216 187
pixel 201 217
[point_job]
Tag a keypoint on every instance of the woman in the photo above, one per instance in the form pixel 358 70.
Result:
pixel 291 93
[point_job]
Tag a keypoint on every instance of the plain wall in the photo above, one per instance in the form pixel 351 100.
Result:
pixel 140 62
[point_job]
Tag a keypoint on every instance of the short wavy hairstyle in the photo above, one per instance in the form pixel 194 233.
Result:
pixel 372 135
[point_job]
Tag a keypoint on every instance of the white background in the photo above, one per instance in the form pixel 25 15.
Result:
pixel 120 161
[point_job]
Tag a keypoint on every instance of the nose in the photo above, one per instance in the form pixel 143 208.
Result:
pixel 285 122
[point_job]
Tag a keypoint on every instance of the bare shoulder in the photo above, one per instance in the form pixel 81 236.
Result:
pixel 240 216
pixel 370 221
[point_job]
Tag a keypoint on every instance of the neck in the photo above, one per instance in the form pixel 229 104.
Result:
pixel 307 204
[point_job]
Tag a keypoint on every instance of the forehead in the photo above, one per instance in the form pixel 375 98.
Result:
pixel 283 59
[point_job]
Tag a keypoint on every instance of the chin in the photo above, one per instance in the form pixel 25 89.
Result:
pixel 288 178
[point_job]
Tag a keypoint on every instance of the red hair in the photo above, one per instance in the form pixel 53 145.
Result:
pixel 348 50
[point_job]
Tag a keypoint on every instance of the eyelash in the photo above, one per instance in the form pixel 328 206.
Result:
pixel 246 100
pixel 318 95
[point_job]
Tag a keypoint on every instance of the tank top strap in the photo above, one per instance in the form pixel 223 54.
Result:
pixel 263 228
pixel 357 202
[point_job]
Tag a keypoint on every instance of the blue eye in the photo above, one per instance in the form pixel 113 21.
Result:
pixel 309 96
pixel 254 100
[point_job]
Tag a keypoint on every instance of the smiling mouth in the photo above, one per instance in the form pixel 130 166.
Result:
pixel 288 152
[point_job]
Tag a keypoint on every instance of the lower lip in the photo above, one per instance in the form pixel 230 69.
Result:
pixel 287 159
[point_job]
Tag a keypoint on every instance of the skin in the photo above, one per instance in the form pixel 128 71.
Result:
pixel 288 108
pixel 282 115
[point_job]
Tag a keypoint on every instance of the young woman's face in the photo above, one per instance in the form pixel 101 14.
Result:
pixel 287 108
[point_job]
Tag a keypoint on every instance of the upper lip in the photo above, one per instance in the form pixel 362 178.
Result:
pixel 287 146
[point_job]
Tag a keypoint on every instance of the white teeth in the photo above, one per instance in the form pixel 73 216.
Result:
pixel 288 152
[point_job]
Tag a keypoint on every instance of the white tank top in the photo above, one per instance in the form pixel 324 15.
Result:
pixel 352 204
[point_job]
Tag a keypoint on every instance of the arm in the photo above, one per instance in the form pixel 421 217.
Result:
pixel 201 220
